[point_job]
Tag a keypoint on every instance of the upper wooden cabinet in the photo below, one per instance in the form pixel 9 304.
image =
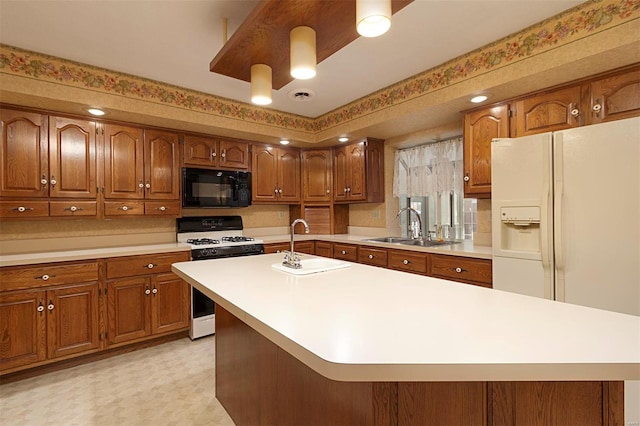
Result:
pixel 547 112
pixel 614 98
pixel 203 151
pixel 275 175
pixel 358 172
pixel 480 127
pixel 162 165
pixel 46 156
pixel 123 162
pixel 316 176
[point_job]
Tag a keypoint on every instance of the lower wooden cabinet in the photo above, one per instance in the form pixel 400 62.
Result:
pixel 307 247
pixel 372 256
pixel 462 269
pixel 404 260
pixel 345 252
pixel 324 249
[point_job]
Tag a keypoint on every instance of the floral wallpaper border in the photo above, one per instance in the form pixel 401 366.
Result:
pixel 577 23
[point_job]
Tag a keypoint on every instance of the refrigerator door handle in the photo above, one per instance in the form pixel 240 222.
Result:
pixel 558 215
pixel 546 231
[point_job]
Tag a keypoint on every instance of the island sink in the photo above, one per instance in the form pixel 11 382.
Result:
pixel 313 266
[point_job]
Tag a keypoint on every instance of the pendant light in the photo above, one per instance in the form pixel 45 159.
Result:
pixel 303 53
pixel 261 84
pixel 373 17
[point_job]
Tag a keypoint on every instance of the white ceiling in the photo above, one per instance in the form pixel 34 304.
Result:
pixel 173 41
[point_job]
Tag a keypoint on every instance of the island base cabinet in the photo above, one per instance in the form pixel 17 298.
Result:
pixel 258 382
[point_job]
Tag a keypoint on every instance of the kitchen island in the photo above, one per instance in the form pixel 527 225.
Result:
pixel 365 345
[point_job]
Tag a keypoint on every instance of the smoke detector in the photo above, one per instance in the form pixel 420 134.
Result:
pixel 301 95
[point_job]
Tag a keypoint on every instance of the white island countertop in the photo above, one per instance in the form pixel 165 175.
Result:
pixel 364 323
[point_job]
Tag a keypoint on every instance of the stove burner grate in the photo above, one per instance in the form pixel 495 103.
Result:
pixel 202 241
pixel 237 239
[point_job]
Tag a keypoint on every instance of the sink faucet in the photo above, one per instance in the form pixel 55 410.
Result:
pixel 410 231
pixel 291 260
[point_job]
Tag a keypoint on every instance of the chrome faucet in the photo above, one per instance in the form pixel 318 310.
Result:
pixel 409 230
pixel 291 260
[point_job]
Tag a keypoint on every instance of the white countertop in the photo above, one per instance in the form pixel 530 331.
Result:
pixel 98 253
pixel 466 248
pixel 365 323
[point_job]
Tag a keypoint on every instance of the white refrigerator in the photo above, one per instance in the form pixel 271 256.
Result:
pixel 566 220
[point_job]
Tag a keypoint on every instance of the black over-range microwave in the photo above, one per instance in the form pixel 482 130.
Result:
pixel 215 188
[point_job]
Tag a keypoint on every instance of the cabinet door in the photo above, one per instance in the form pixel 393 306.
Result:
pixel 162 165
pixel 72 323
pixel 548 112
pixel 123 162
pixel 277 247
pixel 340 173
pixel 615 98
pixel 324 249
pixel 288 175
pixel 480 127
pixel 72 158
pixel 316 176
pixel 357 178
pixel 22 328
pixel 129 309
pixel 170 303
pixel 264 175
pixel 24 154
pixel 200 151
pixel 234 155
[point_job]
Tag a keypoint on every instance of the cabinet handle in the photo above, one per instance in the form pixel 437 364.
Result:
pixel 125 208
pixel 213 154
pixel 348 189
pixel 345 189
pixel 343 252
pixel 162 208
pixel 22 209
pixel 141 185
pixel 45 277
pixel 53 182
pixel 73 209
pixel 371 256
pixel 275 190
pixel 50 307
pixel 150 266
pixel 405 262
pixel 575 112
pixel 597 107
pixel 154 291
pixel 328 191
pixel 44 180
pixel 224 153
pixel 466 177
pixel 148 185
pixel 279 190
pixel 40 307
pixel 147 291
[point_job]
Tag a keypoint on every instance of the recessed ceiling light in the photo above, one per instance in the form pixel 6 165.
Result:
pixel 343 139
pixel 284 141
pixel 478 99
pixel 96 111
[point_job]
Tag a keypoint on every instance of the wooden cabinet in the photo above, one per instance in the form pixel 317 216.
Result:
pixel 614 98
pixel 316 176
pixel 142 172
pixel 462 269
pixel 403 260
pixel 547 112
pixel 324 249
pixel 202 151
pixel 358 172
pixel 144 298
pixel 345 252
pixel 307 247
pixel 480 127
pixel 275 177
pixel 48 312
pixel 372 256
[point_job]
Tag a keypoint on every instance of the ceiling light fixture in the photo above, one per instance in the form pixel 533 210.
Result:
pixel 478 99
pixel 343 139
pixel 303 53
pixel 373 17
pixel 284 142
pixel 261 84
pixel 95 111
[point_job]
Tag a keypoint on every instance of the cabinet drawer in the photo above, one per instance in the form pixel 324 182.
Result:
pixel 345 252
pixel 277 247
pixel 124 208
pixel 22 277
pixel 372 256
pixel 162 208
pixel 461 268
pixel 409 262
pixel 24 209
pixel 324 249
pixel 73 208
pixel 129 266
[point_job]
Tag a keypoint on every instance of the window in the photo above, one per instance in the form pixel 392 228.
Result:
pixel 428 178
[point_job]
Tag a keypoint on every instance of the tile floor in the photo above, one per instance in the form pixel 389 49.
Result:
pixel 169 384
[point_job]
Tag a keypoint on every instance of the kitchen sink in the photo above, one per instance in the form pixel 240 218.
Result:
pixel 396 240
pixel 421 242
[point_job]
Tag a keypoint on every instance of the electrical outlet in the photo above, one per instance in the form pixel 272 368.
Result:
pixel 281 214
pixel 375 214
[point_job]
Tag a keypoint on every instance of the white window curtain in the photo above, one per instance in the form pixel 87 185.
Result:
pixel 429 170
